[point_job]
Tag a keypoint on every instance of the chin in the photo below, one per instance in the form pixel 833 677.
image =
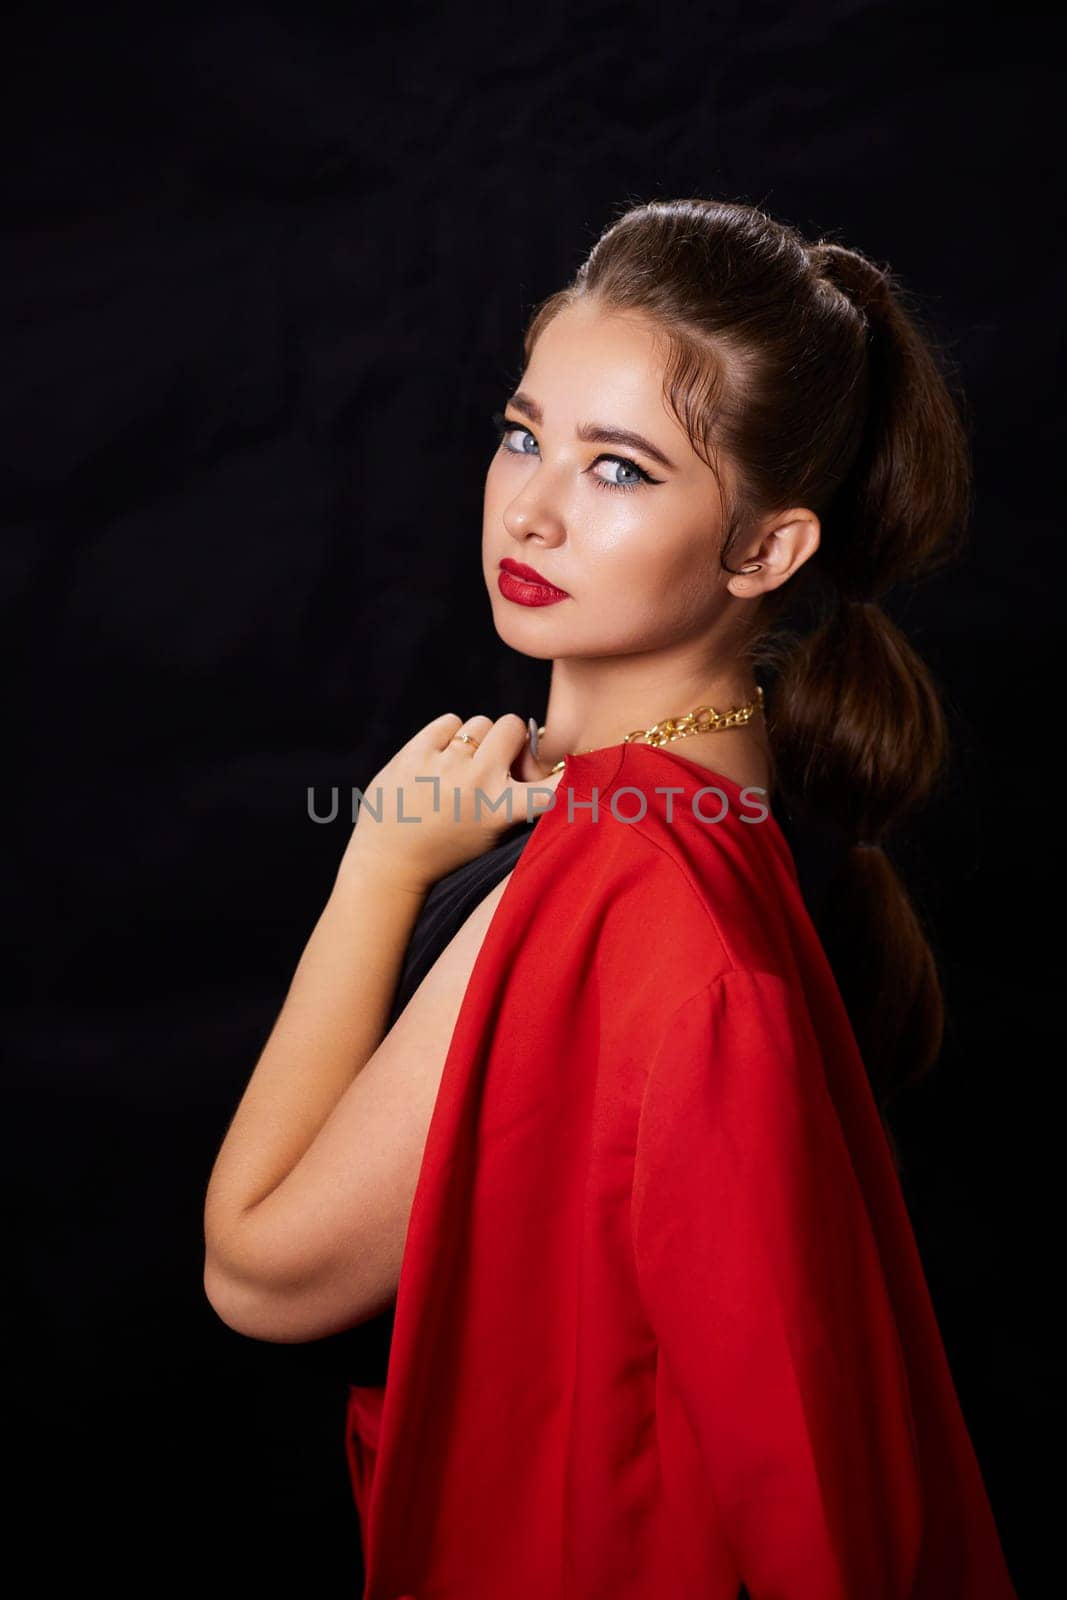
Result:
pixel 516 631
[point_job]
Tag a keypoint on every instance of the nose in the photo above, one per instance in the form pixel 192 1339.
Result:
pixel 532 514
pixel 538 524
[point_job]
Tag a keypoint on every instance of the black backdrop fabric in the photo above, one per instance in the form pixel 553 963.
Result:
pixel 266 271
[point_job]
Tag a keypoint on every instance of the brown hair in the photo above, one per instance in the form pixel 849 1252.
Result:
pixel 806 366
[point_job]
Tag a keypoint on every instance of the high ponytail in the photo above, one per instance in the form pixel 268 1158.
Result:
pixel 806 366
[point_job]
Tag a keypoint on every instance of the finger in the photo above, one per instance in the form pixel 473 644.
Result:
pixel 503 741
pixel 435 733
pixel 469 737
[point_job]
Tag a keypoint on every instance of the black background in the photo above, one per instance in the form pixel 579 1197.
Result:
pixel 267 270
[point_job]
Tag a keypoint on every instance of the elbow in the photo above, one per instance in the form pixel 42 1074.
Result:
pixel 271 1278
pixel 288 1313
pixel 227 1297
pixel 247 1309
pixel 242 1279
pixel 241 1297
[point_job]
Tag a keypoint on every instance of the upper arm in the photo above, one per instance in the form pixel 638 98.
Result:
pixel 323 1250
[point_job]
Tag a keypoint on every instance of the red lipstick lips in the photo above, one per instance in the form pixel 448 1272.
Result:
pixel 526 587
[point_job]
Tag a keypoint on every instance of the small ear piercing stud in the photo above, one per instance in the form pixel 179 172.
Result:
pixel 752 566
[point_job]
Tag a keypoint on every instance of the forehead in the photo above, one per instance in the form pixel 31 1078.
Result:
pixel 591 357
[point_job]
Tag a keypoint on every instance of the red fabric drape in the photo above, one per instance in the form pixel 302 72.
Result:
pixel 662 1326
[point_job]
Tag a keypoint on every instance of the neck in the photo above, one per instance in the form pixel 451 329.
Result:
pixel 592 703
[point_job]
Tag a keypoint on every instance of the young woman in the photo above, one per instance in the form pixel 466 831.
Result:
pixel 566 1089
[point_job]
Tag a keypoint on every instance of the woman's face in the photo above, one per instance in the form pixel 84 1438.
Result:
pixel 633 539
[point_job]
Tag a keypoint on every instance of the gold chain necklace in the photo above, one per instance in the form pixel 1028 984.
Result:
pixel 705 719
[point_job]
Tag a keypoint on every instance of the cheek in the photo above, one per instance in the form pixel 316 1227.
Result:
pixel 647 552
pixel 663 572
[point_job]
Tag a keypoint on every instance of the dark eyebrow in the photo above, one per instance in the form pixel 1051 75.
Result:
pixel 595 432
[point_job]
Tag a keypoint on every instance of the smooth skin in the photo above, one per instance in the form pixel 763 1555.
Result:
pixel 310 1196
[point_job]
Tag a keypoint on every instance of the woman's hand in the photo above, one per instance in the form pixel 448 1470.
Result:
pixel 443 801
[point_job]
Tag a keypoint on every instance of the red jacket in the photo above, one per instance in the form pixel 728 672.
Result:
pixel 662 1327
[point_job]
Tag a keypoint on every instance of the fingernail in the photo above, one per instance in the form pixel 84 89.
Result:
pixel 531 723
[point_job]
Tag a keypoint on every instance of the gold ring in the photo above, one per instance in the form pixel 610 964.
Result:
pixel 468 738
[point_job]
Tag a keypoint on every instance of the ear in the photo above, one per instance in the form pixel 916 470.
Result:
pixel 786 540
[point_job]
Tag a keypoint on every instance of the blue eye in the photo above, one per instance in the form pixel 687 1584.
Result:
pixel 627 466
pixel 505 426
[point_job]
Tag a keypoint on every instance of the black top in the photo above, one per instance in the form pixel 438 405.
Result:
pixel 448 905
pixel 361 1354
